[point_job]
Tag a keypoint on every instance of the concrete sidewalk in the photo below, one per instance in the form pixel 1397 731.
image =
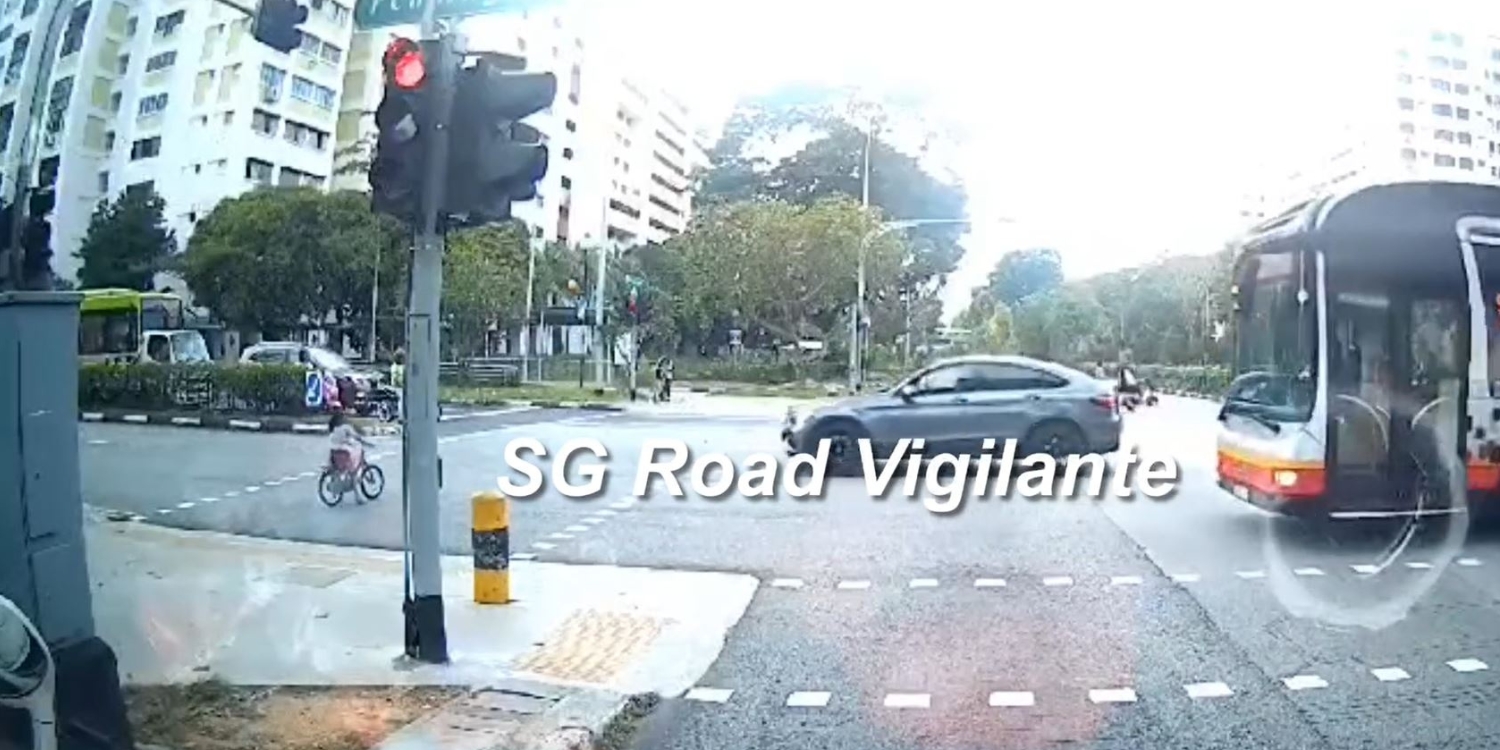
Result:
pixel 180 606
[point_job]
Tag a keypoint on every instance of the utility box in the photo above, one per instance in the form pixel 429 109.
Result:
pixel 42 562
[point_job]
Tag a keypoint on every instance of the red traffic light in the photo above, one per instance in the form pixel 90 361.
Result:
pixel 404 64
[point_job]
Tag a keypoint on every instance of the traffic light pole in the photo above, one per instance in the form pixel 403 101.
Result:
pixel 426 637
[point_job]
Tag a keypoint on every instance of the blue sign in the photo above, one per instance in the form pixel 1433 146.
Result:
pixel 312 390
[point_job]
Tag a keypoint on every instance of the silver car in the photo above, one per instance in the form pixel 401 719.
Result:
pixel 957 403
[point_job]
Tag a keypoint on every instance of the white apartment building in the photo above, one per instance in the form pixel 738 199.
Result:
pixel 175 95
pixel 621 153
pixel 1430 109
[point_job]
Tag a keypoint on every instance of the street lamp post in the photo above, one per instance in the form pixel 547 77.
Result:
pixel 856 373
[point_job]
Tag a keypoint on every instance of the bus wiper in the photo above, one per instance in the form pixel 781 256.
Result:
pixel 1231 408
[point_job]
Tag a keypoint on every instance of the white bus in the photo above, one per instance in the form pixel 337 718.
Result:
pixel 1363 376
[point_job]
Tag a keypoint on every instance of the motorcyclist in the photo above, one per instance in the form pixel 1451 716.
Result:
pixel 664 379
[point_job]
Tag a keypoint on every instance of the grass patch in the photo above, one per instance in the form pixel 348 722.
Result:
pixel 212 715
pixel 492 395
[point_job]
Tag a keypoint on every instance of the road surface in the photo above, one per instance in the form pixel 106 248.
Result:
pixel 1191 622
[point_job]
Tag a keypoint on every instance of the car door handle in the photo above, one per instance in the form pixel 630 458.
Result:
pixel 1033 397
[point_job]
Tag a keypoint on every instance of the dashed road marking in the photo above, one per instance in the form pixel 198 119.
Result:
pixel 709 695
pixel 908 700
pixel 293 477
pixel 787 583
pixel 1012 698
pixel 559 535
pixel 1469 562
pixel 1390 674
pixel 98 442
pixel 1304 682
pixel 989 583
pixel 606 513
pixel 1365 569
pixel 1308 571
pixel 623 504
pixel 272 483
pixel 232 493
pixel 523 556
pixel 576 529
pixel 808 699
pixel 1468 665
pixel 1186 577
pixel 923 583
pixel 543 545
pixel 1112 695
pixel 853 585
pixel 1057 581
pixel 1250 575
pixel 1125 580
pixel 185 505
pixel 311 474
pixel 252 488
pixel 163 511
pixel 1201 690
pixel 1416 565
pixel 593 521
pixel 208 500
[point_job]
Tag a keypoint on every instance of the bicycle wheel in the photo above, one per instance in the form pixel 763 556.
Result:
pixel 330 487
pixel 371 482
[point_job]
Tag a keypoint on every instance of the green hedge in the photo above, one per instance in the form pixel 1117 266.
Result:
pixel 256 389
pixel 1209 380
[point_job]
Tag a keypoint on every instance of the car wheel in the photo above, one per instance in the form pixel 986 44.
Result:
pixel 1056 439
pixel 843 446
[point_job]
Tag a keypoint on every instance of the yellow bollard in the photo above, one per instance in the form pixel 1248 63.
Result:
pixel 491 548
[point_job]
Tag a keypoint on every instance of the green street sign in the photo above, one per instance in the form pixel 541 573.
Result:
pixel 374 14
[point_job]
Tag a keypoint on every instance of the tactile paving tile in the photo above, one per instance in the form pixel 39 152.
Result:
pixel 593 646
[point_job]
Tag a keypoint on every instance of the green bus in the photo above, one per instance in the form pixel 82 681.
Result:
pixel 124 325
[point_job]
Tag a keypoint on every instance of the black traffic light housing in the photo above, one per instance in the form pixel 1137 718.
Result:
pixel 36 234
pixel 402 123
pixel 494 158
pixel 276 23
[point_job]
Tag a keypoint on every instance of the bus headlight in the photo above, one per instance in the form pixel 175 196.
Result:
pixel 1285 478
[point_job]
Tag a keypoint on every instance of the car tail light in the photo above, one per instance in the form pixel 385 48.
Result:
pixel 1107 401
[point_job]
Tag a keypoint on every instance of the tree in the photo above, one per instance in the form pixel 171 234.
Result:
pixel 1022 273
pixel 127 242
pixel 484 282
pixel 275 259
pixel 831 164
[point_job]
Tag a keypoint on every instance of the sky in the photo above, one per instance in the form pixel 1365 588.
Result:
pixel 1114 132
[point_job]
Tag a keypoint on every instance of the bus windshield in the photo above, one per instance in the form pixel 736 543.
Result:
pixel 108 332
pixel 1275 361
pixel 161 313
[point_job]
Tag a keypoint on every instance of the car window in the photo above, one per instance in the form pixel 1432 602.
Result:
pixel 947 379
pixel 269 356
pixel 1007 377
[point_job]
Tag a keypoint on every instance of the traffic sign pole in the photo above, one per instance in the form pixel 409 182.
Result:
pixel 426 637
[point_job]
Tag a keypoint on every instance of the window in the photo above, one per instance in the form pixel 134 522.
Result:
pixel 167 25
pixel 115 100
pixel 1408 128
pixel 567 153
pixel 1462 89
pixel 271 81
pixel 122 64
pixel 1443 135
pixel 1439 62
pixel 258 171
pixel 1441 85
pixel 947 379
pixel 1277 344
pixel 57 105
pixel 316 94
pixel 1465 163
pixel 17 58
pixel 1406 104
pixel 1461 113
pixel 1465 138
pixel 7 120
pixel 1442 110
pixel 571 126
pixel 145 148
pixel 264 122
pixel 306 135
pixel 29 7
pixel 72 39
pixel 331 54
pixel 161 61
pixel 1403 78
pixel 567 182
pixel 1460 64
pixel 575 83
pixel 132 25
pixel 152 105
pixel 1443 160
pixel 108 332
pixel 104 182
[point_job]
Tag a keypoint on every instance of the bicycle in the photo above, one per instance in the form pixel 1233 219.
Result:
pixel 337 480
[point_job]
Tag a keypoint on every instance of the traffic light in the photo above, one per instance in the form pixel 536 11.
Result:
pixel 494 159
pixel 400 120
pixel 36 235
pixel 276 23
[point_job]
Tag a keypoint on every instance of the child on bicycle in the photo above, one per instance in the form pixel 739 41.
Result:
pixel 346 443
